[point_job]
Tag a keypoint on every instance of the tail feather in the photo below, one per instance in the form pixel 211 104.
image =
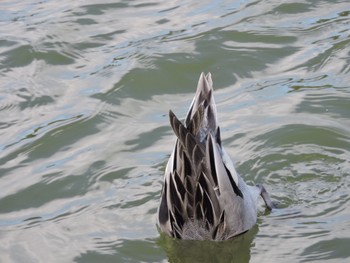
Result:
pixel 204 97
pixel 201 197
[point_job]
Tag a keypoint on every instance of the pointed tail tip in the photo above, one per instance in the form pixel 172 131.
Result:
pixel 205 82
pixel 202 76
pixel 205 76
pixel 209 79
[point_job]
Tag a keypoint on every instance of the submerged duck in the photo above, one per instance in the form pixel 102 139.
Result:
pixel 203 197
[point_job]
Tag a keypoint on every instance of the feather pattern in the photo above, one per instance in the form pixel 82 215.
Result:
pixel 203 197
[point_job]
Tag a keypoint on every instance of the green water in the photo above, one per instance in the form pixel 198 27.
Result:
pixel 85 89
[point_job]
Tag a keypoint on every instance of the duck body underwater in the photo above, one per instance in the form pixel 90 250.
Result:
pixel 203 197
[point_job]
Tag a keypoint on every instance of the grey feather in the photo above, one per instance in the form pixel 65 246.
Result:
pixel 203 197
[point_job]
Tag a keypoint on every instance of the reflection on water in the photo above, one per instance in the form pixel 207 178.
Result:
pixel 235 250
pixel 84 94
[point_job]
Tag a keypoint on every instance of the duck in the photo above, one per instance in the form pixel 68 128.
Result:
pixel 203 197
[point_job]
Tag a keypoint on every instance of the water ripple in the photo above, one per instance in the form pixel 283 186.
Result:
pixel 84 95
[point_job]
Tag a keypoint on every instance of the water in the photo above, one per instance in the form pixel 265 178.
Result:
pixel 84 95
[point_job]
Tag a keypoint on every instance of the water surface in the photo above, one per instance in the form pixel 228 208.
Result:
pixel 84 94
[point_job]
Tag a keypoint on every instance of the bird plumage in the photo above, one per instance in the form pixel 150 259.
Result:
pixel 203 198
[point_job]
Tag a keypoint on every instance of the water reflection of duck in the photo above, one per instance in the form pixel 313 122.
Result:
pixel 203 198
pixel 235 250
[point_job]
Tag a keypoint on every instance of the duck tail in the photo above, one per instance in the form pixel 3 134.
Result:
pixel 202 111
